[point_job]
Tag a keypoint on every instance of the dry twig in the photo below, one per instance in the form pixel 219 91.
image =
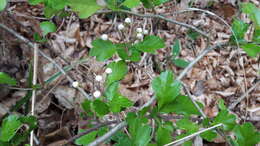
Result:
pixel 155 16
pixel 90 130
pixel 233 105
pixel 35 66
pixel 29 43
pixel 184 139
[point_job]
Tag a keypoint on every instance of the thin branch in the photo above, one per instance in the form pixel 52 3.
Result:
pixel 201 55
pixel 29 43
pixel 35 66
pixel 156 16
pixel 233 105
pixel 184 139
pixel 17 88
pixel 193 101
pixel 108 134
pixel 148 103
pixel 89 130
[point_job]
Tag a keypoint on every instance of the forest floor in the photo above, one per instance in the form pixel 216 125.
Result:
pixel 225 73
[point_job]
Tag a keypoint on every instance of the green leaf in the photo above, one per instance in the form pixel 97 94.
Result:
pixel 150 44
pixel 112 91
pixel 57 4
pixel 256 36
pixel 135 55
pixel 182 105
pixel 251 49
pixel 134 123
pixel 49 12
pixel 228 120
pixel 103 50
pixel 35 2
pixel 246 135
pixel 132 54
pixel 119 70
pixel 187 125
pixel 86 105
pixel 163 136
pixel 232 141
pixel 147 3
pixel 118 103
pixel 180 63
pixel 102 131
pixel 248 8
pixel 38 38
pixel 143 135
pixel 152 3
pixel 254 13
pixel 221 105
pixel 31 121
pixel 113 4
pixel 256 18
pixel 86 139
pixel 209 135
pixel 131 3
pixel 159 2
pixel 122 139
pixel 122 53
pixel 176 48
pixel 47 27
pixel 3 4
pixel 6 79
pixel 100 107
pixel 165 88
pixel 9 128
pixel 239 28
pixel 85 8
pixel 193 34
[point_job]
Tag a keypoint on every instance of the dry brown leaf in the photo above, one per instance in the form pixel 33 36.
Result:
pixel 65 96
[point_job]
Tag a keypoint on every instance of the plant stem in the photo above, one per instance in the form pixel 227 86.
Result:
pixel 184 139
pixel 155 16
pixel 90 130
pixel 233 105
pixel 35 66
pixel 108 134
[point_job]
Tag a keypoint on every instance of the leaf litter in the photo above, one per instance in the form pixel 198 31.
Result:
pixel 219 75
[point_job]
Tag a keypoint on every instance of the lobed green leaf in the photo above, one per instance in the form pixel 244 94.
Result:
pixel 165 88
pixel 181 105
pixel 246 135
pixel 6 79
pixel 119 70
pixel 85 8
pixel 9 127
pixel 150 44
pixel 103 50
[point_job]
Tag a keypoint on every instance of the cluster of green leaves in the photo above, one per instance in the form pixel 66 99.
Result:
pixel 112 101
pixel 169 100
pixel 104 50
pixel 252 48
pixel 86 8
pixel 176 48
pixel 13 131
